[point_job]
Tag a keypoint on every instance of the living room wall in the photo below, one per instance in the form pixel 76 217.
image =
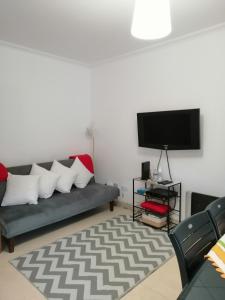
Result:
pixel 44 107
pixel 187 73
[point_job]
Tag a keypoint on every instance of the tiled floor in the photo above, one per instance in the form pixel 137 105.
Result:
pixel 164 284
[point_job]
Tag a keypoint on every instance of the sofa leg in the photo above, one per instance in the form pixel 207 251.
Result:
pixel 111 205
pixel 11 244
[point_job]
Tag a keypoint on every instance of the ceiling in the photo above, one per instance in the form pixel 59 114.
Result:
pixel 91 31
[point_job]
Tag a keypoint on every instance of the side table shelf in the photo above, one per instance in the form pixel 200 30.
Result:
pixel 169 195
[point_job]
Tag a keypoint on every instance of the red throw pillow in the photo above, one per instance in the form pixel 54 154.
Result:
pixel 3 173
pixel 159 208
pixel 86 161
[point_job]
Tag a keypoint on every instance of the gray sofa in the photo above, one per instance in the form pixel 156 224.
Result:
pixel 19 219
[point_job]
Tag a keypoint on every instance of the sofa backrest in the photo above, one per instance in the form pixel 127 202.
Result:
pixel 25 170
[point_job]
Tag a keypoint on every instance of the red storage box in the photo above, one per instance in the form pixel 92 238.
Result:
pixel 161 209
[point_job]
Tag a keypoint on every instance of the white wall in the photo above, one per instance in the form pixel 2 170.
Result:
pixel 186 74
pixel 44 107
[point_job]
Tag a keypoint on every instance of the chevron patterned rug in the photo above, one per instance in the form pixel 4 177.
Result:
pixel 102 262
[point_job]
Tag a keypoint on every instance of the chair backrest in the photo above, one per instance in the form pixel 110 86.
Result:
pixel 192 239
pixel 216 211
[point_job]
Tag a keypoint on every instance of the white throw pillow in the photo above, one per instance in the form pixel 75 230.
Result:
pixel 21 189
pixel 83 175
pixel 48 181
pixel 66 179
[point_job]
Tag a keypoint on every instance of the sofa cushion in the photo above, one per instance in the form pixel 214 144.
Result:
pixel 24 218
pixel 86 161
pixel 25 170
pixel 66 177
pixel 48 181
pixel 21 189
pixel 83 175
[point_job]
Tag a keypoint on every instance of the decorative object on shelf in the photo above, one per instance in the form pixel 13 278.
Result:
pixel 150 183
pixel 155 177
pixel 142 191
pixel 158 171
pixel 151 19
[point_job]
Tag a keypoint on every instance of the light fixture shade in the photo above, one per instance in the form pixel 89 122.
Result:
pixel 151 19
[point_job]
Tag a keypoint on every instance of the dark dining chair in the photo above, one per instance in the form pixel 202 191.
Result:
pixel 216 211
pixel 192 239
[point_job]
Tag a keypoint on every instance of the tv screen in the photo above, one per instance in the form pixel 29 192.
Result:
pixel 174 130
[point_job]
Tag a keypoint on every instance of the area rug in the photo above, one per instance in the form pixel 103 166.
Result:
pixel 102 262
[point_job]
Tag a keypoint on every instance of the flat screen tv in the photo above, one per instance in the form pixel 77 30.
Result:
pixel 172 130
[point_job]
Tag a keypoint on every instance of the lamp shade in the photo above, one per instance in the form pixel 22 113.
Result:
pixel 151 19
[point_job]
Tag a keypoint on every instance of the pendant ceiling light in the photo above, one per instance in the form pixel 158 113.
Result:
pixel 151 19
